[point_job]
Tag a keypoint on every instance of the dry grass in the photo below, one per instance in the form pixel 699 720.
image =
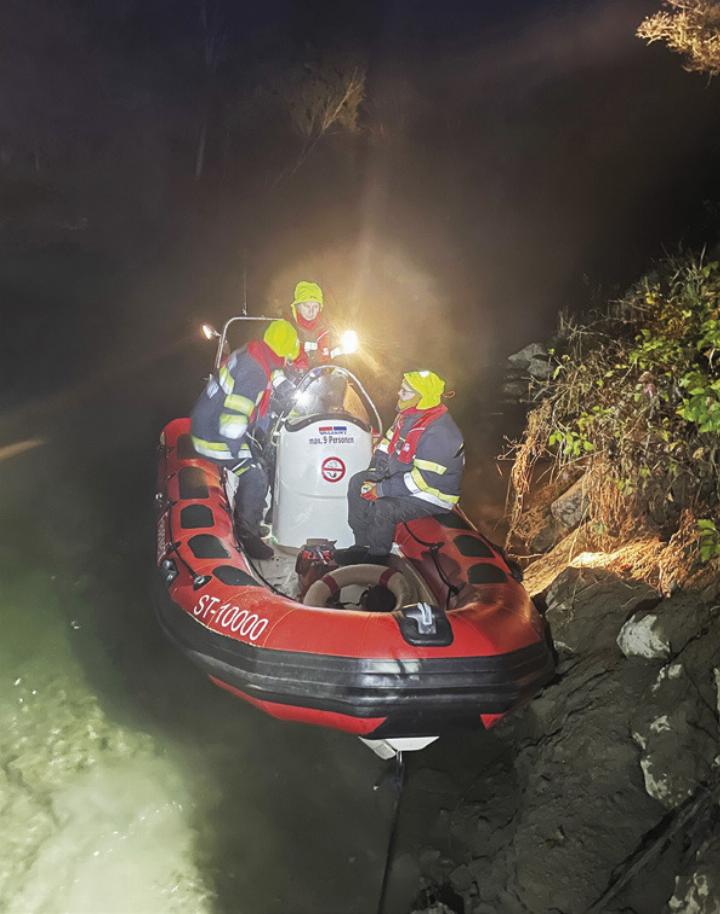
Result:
pixel 666 566
pixel 534 445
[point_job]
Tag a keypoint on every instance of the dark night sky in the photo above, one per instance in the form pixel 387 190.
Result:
pixel 513 156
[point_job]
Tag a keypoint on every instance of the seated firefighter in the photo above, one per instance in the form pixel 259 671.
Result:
pixel 234 403
pixel 416 469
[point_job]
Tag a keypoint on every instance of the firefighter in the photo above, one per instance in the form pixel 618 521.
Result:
pixel 313 330
pixel 416 469
pixel 233 404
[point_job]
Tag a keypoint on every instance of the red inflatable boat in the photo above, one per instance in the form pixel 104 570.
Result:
pixel 459 643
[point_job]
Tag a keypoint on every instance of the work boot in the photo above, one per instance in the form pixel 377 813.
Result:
pixel 255 547
pixel 251 541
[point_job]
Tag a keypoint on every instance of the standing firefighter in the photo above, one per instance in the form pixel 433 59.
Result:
pixel 313 330
pixel 233 403
pixel 415 472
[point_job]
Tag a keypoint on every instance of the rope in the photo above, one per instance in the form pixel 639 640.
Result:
pixel 265 581
pixel 172 545
pixel 694 813
pixel 399 781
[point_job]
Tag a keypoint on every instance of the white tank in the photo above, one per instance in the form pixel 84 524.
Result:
pixel 315 459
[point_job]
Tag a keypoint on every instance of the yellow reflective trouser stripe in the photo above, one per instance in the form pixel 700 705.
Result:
pixel 423 490
pixel 430 465
pixel 232 425
pixel 227 382
pixel 215 449
pixel 239 403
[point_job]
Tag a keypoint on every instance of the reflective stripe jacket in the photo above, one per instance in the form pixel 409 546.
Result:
pixel 421 455
pixel 233 400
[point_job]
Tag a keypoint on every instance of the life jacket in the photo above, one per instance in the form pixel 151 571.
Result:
pixel 314 340
pixel 403 445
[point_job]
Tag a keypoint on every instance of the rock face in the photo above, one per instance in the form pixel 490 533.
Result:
pixel 640 637
pixel 589 812
pixel 586 608
pixel 525 356
pixel 570 508
pixel 676 721
pixel 529 363
pixel 698 890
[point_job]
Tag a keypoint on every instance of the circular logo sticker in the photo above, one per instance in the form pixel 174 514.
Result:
pixel 332 469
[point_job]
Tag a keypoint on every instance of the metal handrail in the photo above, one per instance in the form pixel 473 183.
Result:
pixel 222 337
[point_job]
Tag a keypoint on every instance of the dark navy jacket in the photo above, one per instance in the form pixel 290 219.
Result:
pixel 427 465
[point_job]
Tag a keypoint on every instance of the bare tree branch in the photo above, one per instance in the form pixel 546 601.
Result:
pixel 688 27
pixel 324 97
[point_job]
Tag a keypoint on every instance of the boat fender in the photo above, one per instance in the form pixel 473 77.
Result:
pixel 333 582
pixel 423 624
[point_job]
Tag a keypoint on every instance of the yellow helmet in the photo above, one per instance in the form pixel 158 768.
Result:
pixel 429 385
pixel 307 291
pixel 282 338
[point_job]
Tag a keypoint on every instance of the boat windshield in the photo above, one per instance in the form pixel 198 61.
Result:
pixel 329 392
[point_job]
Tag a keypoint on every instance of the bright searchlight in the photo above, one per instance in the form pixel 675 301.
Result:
pixel 349 342
pixel 209 331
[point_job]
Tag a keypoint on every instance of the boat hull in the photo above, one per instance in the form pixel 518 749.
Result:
pixel 370 674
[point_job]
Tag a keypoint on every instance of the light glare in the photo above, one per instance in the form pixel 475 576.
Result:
pixel 349 342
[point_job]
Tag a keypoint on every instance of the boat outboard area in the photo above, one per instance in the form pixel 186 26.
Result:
pixel 443 634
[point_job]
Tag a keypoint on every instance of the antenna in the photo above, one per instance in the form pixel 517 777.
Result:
pixel 244 260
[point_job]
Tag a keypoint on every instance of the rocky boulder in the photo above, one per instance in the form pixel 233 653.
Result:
pixel 516 390
pixel 539 368
pixel 681 619
pixel 676 724
pixel 697 891
pixel 526 355
pixel 596 804
pixel 586 607
pixel 571 507
pixel 677 735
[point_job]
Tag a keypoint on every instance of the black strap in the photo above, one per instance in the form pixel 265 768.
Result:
pixel 435 548
pixel 399 780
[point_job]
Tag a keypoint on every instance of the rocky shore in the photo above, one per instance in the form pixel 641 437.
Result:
pixel 603 794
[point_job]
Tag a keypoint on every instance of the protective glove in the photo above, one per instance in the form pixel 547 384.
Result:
pixel 369 491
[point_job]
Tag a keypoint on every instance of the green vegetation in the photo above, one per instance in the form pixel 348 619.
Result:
pixel 634 402
pixel 709 539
